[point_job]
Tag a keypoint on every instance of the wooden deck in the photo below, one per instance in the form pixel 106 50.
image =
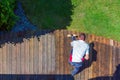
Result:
pixel 43 55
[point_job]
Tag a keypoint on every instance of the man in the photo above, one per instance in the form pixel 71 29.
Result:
pixel 80 51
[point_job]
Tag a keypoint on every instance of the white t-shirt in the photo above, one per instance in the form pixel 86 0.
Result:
pixel 80 48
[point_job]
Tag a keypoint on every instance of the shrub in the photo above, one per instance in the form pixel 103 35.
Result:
pixel 7 16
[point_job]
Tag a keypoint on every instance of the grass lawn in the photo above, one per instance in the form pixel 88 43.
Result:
pixel 100 17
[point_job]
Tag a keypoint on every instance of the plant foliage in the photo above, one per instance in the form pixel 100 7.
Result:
pixel 7 16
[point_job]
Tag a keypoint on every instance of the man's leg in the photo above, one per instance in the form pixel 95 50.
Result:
pixel 77 67
pixel 75 71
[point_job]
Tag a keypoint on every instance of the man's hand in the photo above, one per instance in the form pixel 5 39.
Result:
pixel 87 56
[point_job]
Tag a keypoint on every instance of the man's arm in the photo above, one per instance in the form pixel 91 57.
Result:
pixel 86 56
pixel 87 53
pixel 73 36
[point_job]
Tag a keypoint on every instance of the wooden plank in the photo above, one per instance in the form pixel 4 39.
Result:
pixel 66 53
pixel 6 45
pixel 93 63
pixel 40 54
pixel 102 58
pixel 68 50
pixel 96 64
pixel 114 58
pixel 49 60
pixel 13 59
pixel 4 66
pixel 53 54
pixel 105 58
pixel 1 54
pixel 57 44
pixel 26 56
pixel 9 57
pixel 43 55
pixel 31 56
pixel 35 56
pixel 108 59
pixel 87 65
pixel 46 52
pixel 111 56
pixel 22 58
pixel 18 58
pixel 82 74
pixel 119 53
pixel 61 52
pixel 117 60
pixel 13 53
pixel 9 53
pixel 91 58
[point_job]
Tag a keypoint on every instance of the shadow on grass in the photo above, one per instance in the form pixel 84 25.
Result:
pixel 45 14
pixel 48 14
pixel 35 77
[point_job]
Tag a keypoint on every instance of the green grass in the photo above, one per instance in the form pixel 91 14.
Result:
pixel 99 17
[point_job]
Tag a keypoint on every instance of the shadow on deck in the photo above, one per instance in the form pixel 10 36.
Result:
pixel 35 77
pixel 116 75
pixel 17 37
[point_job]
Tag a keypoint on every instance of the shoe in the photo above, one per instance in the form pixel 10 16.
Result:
pixel 74 35
pixel 70 35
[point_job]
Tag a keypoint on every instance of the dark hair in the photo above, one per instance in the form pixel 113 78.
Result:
pixel 82 36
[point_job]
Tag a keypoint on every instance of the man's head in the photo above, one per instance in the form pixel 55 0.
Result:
pixel 82 36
